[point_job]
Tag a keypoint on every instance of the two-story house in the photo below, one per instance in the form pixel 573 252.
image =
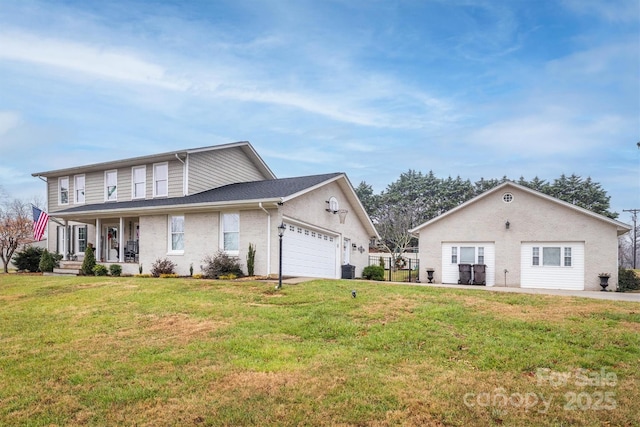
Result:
pixel 185 205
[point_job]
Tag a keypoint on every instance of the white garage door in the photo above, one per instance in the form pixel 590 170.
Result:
pixel 468 253
pixel 552 265
pixel 308 253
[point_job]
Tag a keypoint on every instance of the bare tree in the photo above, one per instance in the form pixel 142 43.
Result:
pixel 16 228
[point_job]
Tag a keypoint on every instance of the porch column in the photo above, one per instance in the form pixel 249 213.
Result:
pixel 121 241
pixel 98 250
pixel 66 241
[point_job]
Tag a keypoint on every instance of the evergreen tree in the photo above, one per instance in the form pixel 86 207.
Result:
pixel 89 261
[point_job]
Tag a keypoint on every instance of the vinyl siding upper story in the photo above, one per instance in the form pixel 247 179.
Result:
pixel 187 172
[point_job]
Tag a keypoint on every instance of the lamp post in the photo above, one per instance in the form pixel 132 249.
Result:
pixel 281 229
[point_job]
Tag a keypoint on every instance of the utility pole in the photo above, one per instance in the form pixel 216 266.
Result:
pixel 634 213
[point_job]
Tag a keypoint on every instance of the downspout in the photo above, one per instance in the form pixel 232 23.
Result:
pixel 268 238
pixel 184 175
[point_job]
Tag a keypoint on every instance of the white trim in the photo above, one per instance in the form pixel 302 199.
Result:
pixel 170 250
pixel 75 189
pixel 133 182
pixel 106 186
pixel 60 190
pixel 222 231
pixel 155 193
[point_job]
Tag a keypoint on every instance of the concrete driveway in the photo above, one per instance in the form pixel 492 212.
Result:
pixel 613 296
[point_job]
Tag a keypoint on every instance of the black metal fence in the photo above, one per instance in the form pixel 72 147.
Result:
pixel 402 269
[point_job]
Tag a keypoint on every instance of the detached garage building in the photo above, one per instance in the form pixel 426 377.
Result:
pixel 522 238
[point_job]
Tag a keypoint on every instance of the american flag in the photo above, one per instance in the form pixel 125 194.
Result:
pixel 40 220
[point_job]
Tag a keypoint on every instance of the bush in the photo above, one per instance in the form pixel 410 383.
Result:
pixel 168 276
pixel 47 261
pixel 221 264
pixel 89 261
pixel 28 259
pixel 162 266
pixel 373 272
pixel 100 270
pixel 627 280
pixel 115 270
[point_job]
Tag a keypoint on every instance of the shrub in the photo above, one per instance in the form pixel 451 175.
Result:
pixel 627 280
pixel 89 261
pixel 220 264
pixel 100 270
pixel 373 272
pixel 229 276
pixel 251 260
pixel 381 262
pixel 197 276
pixel 115 270
pixel 162 266
pixel 168 276
pixel 47 261
pixel 28 259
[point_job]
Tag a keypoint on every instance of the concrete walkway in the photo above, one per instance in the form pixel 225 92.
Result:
pixel 612 296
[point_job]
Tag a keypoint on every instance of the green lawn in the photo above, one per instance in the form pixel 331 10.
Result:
pixel 169 352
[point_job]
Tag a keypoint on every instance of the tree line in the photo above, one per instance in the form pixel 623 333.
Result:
pixel 416 198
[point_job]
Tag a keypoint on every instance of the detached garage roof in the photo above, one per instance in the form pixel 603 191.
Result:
pixel 620 226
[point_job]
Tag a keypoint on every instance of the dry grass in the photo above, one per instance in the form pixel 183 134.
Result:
pixel 131 351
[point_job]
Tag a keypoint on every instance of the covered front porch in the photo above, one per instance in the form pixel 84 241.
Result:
pixel 115 240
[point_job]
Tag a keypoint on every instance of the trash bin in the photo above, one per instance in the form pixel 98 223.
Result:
pixel 479 274
pixel 465 274
pixel 348 271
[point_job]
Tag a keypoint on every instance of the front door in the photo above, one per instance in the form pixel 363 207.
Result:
pixel 110 249
pixel 346 257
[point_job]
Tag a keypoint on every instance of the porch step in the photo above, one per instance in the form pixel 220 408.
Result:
pixel 67 268
pixel 63 272
pixel 71 265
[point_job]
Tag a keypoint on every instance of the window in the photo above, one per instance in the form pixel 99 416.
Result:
pixel 454 255
pixel 551 256
pixel 535 258
pixel 176 226
pixel 138 182
pixel 78 184
pixel 507 197
pixel 111 185
pixel 480 255
pixel 231 232
pixel 160 179
pixel 82 239
pixel 63 190
pixel 467 255
pixel 567 257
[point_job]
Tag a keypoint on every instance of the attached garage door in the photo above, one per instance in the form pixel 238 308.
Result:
pixel 552 265
pixel 308 253
pixel 468 253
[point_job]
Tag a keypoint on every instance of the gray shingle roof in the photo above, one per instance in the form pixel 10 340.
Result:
pixel 238 192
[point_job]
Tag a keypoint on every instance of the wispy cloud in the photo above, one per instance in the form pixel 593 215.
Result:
pixel 75 57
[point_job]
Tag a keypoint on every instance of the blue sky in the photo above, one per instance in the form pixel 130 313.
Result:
pixel 372 88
